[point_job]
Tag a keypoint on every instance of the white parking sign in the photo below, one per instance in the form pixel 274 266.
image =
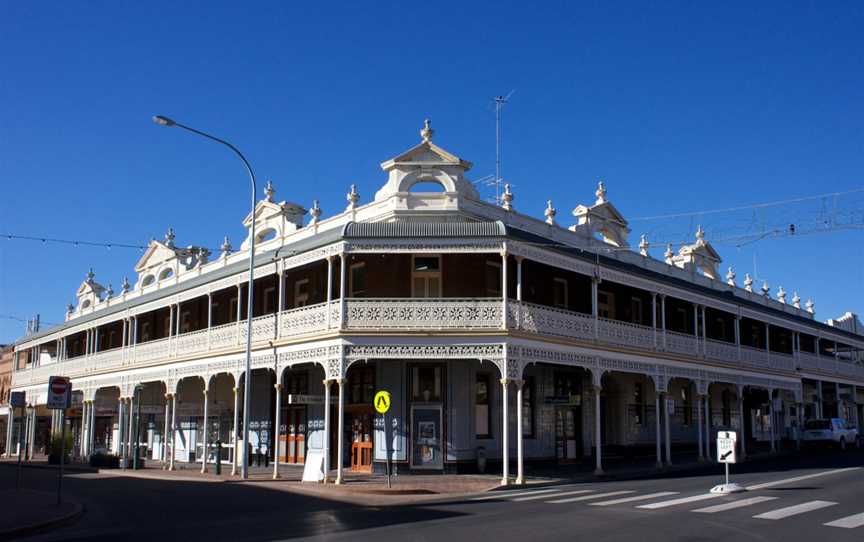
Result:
pixel 726 446
pixel 59 392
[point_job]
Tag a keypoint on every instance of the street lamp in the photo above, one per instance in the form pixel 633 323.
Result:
pixel 165 121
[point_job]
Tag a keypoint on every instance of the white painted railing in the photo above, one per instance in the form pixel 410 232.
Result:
pixel 782 362
pixel 721 350
pixel 681 343
pixel 423 313
pixel 309 319
pixel 224 336
pixel 624 333
pixel 551 321
pixel 754 357
pixel 807 360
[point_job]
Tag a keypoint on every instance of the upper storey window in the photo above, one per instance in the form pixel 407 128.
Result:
pixel 148 280
pixel 426 276
pixel 493 279
pixel 357 275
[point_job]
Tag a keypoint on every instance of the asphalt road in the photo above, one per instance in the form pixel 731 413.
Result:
pixel 815 497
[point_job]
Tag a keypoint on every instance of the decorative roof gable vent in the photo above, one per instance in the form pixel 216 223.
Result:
pixel 273 220
pixel 602 219
pixel 699 256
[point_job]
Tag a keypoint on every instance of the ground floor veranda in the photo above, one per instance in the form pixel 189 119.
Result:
pixel 455 408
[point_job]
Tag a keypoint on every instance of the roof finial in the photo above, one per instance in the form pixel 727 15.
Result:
pixel 169 238
pixel 781 295
pixel 109 293
pixel 748 282
pixel 90 275
pixel 315 212
pixel 766 290
pixel 668 255
pixel 353 197
pixel 730 277
pixel 269 190
pixel 507 198
pixel 600 193
pixel 126 286
pixel 550 213
pixel 226 247
pixel 70 308
pixel 643 245
pixel 427 132
pixel 796 300
pixel 809 306
pixel 700 234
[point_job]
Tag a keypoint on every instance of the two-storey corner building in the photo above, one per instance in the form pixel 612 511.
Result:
pixel 7 354
pixel 497 334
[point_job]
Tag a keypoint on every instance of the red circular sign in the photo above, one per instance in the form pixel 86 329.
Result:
pixel 58 386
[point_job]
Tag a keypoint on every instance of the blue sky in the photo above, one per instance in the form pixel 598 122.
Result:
pixel 679 106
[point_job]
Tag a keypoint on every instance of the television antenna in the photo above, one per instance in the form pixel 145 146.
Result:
pixel 499 105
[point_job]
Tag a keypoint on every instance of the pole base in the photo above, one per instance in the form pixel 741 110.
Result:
pixel 598 472
pixel 725 489
pixel 505 481
pixel 520 481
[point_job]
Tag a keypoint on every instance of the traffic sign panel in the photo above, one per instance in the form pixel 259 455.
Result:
pixel 59 392
pixel 382 402
pixel 726 446
pixel 17 399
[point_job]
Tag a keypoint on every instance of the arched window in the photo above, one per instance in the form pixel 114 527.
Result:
pixel 86 304
pixel 148 280
pixel 427 186
pixel 166 274
pixel 265 235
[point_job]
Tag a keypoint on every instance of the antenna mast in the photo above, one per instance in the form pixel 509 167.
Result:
pixel 499 105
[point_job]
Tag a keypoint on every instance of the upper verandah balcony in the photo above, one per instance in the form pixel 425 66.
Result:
pixel 405 293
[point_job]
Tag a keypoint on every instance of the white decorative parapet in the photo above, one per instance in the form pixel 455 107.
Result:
pixel 309 319
pixel 626 334
pixel 721 350
pixel 550 321
pixel 808 361
pixel 754 357
pixel 681 343
pixel 151 350
pixel 191 343
pixel 263 328
pixel 225 335
pixel 783 362
pixel 423 313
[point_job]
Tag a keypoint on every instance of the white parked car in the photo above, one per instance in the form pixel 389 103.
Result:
pixel 829 431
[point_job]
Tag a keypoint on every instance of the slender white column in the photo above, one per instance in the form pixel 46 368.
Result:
pixel 595 309
pixel 663 317
pixel 820 405
pixel 166 430
pixel 598 444
pixel 741 414
pixel 280 292
pixel 654 317
pixel 9 422
pixel 340 426
pixel 121 449
pixel 699 417
pixel 209 317
pixel 32 439
pixel 205 432
pixel 657 435
pixel 343 279
pixel 504 289
pixel 520 467
pixel 768 338
pixel 738 335
pixel 91 428
pixel 329 288
pixel 130 444
pixel 327 430
pixel 707 400
pixel 173 431
pixel 704 332
pixel 277 430
pixel 234 429
pixel 668 432
pixel 505 443
pixel 239 311
pixel 85 414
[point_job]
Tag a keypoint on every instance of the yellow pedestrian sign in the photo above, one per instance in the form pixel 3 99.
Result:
pixel 382 402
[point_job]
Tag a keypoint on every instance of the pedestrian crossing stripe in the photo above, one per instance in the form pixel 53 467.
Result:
pixel 782 513
pixel 636 498
pixel 849 522
pixel 683 500
pixel 733 505
pixel 588 497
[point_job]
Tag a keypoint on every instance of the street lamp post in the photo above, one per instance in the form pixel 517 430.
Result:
pixel 165 121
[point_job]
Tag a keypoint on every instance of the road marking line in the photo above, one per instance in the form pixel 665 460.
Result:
pixel 732 505
pixel 799 478
pixel 636 498
pixel 683 500
pixel 590 497
pixel 508 494
pixel 781 513
pixel 849 522
pixel 546 496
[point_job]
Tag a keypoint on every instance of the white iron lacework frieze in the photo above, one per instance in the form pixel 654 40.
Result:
pixel 312 256
pixel 702 387
pixel 551 258
pixel 530 354
pixel 441 245
pixel 424 351
pixel 334 369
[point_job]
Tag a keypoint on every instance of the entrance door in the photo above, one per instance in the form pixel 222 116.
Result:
pixel 427 437
pixel 293 442
pixel 361 442
pixel 568 441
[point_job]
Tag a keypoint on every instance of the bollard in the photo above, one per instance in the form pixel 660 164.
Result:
pixel 218 458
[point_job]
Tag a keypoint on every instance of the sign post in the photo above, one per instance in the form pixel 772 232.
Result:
pixel 59 398
pixel 726 441
pixel 19 400
pixel 382 406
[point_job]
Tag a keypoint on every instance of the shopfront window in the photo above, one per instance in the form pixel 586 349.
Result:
pixel 361 382
pixel 426 384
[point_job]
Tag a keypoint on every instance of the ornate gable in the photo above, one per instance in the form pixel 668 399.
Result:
pixel 426 162
pixel 273 219
pixel 89 293
pixel 604 219
pixel 699 255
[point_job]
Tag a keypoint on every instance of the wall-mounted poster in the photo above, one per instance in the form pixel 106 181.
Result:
pixel 426 441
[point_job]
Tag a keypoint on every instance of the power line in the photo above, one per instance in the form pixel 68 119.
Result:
pixel 81 242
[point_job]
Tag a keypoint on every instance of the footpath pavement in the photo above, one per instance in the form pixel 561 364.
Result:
pixel 28 512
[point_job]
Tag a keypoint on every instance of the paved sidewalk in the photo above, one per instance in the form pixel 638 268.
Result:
pixel 28 512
